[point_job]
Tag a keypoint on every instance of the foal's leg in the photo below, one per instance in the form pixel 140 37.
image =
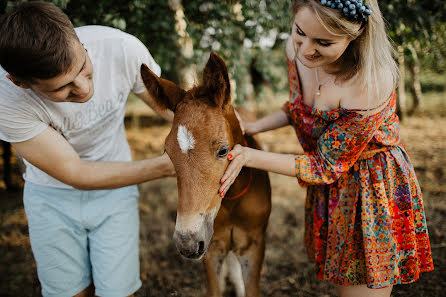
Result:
pixel 213 264
pixel 251 260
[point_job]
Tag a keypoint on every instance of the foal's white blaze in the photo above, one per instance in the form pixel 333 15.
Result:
pixel 185 139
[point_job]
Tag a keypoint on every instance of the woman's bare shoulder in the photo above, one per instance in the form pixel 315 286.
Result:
pixel 356 97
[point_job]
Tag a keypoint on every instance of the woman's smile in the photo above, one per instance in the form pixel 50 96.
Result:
pixel 312 57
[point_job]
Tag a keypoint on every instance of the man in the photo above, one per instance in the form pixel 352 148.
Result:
pixel 63 94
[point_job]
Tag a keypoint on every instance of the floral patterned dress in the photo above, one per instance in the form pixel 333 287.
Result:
pixel 364 215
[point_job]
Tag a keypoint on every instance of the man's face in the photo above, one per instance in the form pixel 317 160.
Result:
pixel 75 85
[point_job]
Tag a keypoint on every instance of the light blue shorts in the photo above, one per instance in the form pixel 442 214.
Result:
pixel 82 236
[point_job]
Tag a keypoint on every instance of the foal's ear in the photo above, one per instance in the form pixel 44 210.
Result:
pixel 164 92
pixel 216 80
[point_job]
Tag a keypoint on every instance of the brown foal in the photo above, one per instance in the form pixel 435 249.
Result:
pixel 229 233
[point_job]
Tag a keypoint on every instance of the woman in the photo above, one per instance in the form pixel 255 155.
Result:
pixel 365 221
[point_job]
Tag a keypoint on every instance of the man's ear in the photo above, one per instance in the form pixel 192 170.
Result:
pixel 165 93
pixel 17 82
pixel 216 80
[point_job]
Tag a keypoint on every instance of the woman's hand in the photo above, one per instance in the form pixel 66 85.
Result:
pixel 239 158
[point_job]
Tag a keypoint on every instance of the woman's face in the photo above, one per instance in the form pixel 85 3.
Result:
pixel 314 45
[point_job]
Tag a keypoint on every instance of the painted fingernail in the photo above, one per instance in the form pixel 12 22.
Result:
pixel 230 156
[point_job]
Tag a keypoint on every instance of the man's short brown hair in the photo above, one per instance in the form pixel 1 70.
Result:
pixel 36 41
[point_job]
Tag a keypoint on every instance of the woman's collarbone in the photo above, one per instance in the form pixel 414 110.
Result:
pixel 328 100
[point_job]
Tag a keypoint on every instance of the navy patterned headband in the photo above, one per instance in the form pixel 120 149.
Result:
pixel 353 10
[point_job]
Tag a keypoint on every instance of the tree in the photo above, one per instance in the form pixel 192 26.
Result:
pixel 417 28
pixel 242 32
pixel 246 32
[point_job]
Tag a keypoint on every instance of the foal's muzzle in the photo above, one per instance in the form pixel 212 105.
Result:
pixel 190 245
pixel 193 242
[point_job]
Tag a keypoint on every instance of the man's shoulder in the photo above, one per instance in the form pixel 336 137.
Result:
pixel 98 33
pixel 9 93
pixel 102 41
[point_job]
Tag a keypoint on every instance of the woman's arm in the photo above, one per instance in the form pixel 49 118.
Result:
pixel 269 122
pixel 51 153
pixel 338 148
pixel 244 156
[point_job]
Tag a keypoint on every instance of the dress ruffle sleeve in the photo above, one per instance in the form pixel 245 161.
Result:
pixel 337 149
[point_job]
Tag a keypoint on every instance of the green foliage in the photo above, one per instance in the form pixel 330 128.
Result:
pixel 243 33
pixel 248 34
pixel 420 24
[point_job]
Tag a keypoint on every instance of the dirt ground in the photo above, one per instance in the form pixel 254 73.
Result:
pixel 286 271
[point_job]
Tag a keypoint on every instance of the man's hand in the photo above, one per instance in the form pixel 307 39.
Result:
pixel 168 169
pixel 248 128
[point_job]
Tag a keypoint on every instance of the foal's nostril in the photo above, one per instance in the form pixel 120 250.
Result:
pixel 200 247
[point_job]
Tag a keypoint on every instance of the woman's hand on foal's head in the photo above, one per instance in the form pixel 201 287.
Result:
pixel 238 158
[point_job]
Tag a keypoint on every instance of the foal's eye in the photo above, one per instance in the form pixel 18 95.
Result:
pixel 223 151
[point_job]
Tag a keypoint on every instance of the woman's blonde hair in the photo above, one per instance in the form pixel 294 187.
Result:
pixel 370 51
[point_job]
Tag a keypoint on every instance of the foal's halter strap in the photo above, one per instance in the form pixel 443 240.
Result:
pixel 245 189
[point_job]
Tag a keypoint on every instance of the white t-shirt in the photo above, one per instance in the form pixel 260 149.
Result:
pixel 95 129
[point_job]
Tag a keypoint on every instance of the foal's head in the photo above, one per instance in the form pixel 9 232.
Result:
pixel 204 129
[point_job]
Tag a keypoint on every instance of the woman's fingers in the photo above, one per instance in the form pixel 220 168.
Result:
pixel 228 182
pixel 237 162
pixel 231 172
pixel 236 151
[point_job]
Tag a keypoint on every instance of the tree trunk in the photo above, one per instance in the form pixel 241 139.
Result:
pixel 415 85
pixel 401 102
pixel 3 4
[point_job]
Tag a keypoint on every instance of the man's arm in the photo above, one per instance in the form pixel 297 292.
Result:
pixel 166 114
pixel 51 153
